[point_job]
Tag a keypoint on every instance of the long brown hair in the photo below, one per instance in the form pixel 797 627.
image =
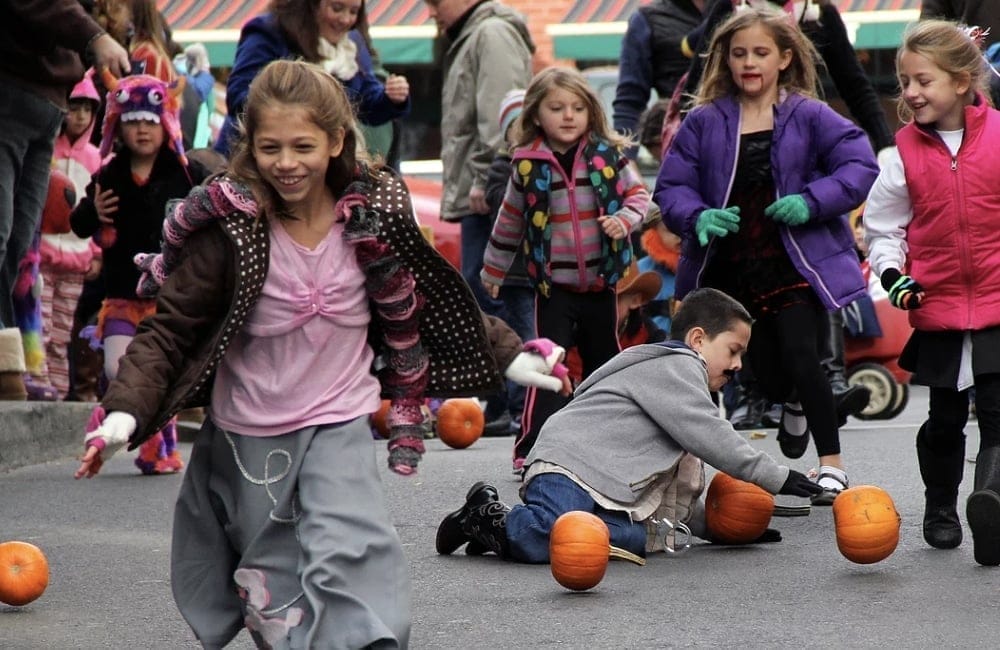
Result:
pixel 297 21
pixel 800 75
pixel 947 46
pixel 526 128
pixel 304 85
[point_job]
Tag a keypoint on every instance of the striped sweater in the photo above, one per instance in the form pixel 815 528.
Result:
pixel 575 254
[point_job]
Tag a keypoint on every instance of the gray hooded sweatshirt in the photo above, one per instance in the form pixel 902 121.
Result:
pixel 631 420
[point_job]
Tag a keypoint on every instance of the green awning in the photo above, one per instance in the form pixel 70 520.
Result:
pixel 396 45
pixel 602 41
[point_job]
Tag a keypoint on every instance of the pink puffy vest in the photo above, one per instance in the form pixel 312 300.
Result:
pixel 954 237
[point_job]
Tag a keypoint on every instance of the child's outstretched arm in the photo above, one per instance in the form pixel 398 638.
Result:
pixel 635 200
pixel 677 185
pixel 508 231
pixel 535 363
pixel 887 214
pixel 846 155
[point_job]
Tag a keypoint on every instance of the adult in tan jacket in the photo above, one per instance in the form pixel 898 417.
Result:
pixel 487 53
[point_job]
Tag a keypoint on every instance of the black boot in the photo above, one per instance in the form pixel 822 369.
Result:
pixel 850 400
pixel 942 474
pixel 487 525
pixel 450 533
pixel 982 510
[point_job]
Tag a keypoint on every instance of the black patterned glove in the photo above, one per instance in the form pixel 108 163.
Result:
pixel 904 291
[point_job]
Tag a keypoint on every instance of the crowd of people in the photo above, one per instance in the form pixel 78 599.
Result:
pixel 151 268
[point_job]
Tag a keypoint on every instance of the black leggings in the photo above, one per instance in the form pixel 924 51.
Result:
pixel 784 355
pixel 587 320
pixel 948 413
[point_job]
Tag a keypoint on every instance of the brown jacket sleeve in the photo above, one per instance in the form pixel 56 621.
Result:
pixel 505 342
pixel 189 308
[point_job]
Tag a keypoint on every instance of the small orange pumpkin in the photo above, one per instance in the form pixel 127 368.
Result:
pixel 579 545
pixel 24 573
pixel 737 512
pixel 867 524
pixel 380 419
pixel 460 422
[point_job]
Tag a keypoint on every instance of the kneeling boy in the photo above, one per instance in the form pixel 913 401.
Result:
pixel 630 445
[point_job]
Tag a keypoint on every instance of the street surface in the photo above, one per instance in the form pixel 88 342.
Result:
pixel 108 540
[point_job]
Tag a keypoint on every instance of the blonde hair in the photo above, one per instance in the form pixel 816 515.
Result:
pixel 282 84
pixel 526 129
pixel 949 47
pixel 800 75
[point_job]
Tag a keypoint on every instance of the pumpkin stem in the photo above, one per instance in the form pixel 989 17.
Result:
pixel 622 554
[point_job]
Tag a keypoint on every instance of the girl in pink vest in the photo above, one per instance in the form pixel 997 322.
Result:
pixel 931 230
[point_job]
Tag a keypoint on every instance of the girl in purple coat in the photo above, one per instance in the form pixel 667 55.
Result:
pixel 757 183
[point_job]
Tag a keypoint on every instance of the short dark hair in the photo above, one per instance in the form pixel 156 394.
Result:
pixel 651 123
pixel 709 309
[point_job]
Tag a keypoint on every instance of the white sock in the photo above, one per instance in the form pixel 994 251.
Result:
pixel 834 479
pixel 793 419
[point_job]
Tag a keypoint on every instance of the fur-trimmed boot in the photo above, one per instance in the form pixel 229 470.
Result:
pixel 942 474
pixel 12 366
pixel 982 510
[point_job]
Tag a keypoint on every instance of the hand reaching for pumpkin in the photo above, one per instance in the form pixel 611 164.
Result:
pixel 102 443
pixel 799 485
pixel 541 365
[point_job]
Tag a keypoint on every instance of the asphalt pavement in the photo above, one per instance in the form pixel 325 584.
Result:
pixel 108 539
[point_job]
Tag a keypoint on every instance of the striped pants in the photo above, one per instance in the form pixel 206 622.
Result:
pixel 60 293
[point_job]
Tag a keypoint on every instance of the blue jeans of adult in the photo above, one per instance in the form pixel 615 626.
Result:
pixel 28 129
pixel 546 497
pixel 475 235
pixel 518 311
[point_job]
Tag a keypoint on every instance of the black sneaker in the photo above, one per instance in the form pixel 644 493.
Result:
pixel 498 427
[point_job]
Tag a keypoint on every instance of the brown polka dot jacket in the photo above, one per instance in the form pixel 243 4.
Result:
pixel 205 299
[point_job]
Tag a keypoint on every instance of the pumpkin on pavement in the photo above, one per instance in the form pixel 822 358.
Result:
pixel 460 422
pixel 867 524
pixel 579 547
pixel 24 573
pixel 736 512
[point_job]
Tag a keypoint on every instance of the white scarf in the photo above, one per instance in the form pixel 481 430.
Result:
pixel 340 59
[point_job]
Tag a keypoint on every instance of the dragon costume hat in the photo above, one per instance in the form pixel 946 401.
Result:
pixel 143 97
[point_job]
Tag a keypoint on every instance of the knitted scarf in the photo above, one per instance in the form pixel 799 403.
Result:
pixel 389 285
pixel 536 176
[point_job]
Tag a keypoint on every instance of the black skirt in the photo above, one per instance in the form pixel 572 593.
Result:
pixel 934 357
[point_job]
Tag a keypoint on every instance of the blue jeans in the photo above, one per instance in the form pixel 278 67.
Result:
pixel 475 235
pixel 550 495
pixel 518 311
pixel 28 129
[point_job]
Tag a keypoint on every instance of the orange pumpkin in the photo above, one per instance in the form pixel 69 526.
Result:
pixel 866 523
pixel 380 419
pixel 460 422
pixel 737 512
pixel 24 573
pixel 579 544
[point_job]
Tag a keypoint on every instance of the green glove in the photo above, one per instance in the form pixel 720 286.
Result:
pixel 717 223
pixel 791 210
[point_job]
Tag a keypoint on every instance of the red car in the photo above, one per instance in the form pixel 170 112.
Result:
pixel 445 236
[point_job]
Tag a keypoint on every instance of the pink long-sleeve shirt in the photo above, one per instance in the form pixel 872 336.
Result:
pixel 302 358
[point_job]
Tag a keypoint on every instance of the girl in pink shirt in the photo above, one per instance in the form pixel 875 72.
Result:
pixel 297 291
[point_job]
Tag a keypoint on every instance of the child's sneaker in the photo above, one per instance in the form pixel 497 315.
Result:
pixel 518 467
pixel 833 480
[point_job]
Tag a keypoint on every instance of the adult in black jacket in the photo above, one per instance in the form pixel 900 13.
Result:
pixel 651 58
